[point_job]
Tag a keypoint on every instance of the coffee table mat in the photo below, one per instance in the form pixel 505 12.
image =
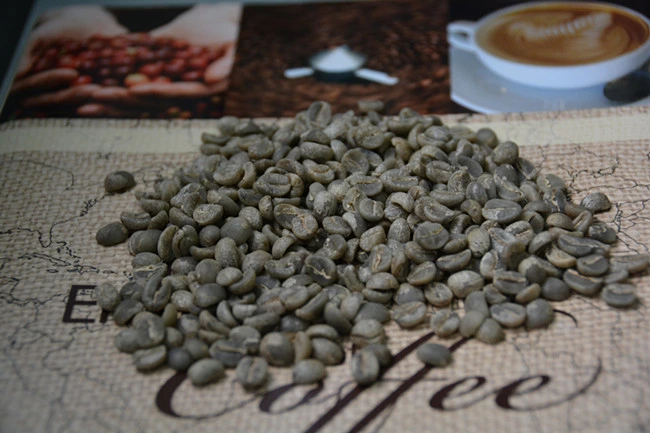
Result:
pixel 59 370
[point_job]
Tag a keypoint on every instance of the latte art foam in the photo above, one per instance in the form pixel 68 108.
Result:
pixel 562 35
pixel 591 26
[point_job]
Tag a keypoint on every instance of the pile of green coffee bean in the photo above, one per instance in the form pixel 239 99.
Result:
pixel 285 244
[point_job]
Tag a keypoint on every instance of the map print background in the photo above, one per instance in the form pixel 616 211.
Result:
pixel 589 372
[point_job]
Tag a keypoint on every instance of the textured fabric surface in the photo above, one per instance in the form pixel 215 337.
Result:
pixel 60 372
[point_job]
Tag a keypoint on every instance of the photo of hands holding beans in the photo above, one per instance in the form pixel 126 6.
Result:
pixel 81 61
pixel 212 60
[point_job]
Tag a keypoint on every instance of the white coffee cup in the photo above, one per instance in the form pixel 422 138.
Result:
pixel 560 45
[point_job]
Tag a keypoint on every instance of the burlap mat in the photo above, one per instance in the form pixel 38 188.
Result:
pixel 59 370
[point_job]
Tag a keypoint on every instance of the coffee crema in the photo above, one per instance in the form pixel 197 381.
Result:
pixel 562 34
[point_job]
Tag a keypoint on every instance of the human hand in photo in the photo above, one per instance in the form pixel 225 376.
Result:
pixel 72 69
pixel 74 23
pixel 50 77
pixel 211 31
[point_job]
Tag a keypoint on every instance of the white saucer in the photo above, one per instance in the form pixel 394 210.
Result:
pixel 477 88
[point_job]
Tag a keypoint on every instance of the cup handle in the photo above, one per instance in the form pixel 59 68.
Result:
pixel 460 34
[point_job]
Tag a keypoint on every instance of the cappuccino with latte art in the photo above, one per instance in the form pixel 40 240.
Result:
pixel 560 45
pixel 563 34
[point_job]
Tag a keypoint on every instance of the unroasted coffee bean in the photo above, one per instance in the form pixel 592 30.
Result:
pixel 508 247
pixel 445 323
pixel 579 247
pixel 588 286
pixel 144 241
pixel 209 322
pixel 479 242
pixel 107 296
pixel 277 349
pixel 173 337
pixel 196 348
pixel 454 262
pixel 169 315
pixel 438 294
pixel 184 301
pixel 633 263
pixel 377 296
pixel 509 282
pixel 560 258
pixel 365 367
pixel 408 293
pixel 382 281
pixel 490 332
pixel 506 153
pixel 476 301
pixel 616 276
pixel 126 310
pixel 528 294
pixel 189 325
pixel 145 259
pixel 435 355
pixel 229 275
pixel 559 220
pixel 596 202
pixel 540 242
pixel 367 331
pixel 335 318
pixel 410 314
pixel 136 220
pixel 368 105
pixel 508 314
pixel 207 213
pixel 374 311
pixel 323 331
pixel 501 211
pixel 322 269
pixel 291 323
pixel 112 234
pixel 350 305
pixel 313 308
pixel 593 265
pixel 228 352
pixel 465 282
pixel 156 294
pixel 127 340
pixel 431 236
pixel 252 372
pixel 247 335
pixel 493 295
pixel 602 232
pixel 471 322
pixel 154 207
pixel 238 229
pixel 619 295
pixel 308 371
pixel 151 329
pixel 179 359
pixel 262 321
pixel 381 352
pixel 205 371
pixel 150 359
pixel 539 314
pixel 327 351
pixel 118 181
pixel 335 247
